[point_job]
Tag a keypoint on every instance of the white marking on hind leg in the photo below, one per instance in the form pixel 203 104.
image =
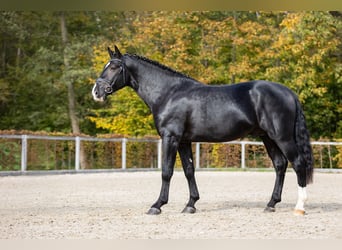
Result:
pixel 302 197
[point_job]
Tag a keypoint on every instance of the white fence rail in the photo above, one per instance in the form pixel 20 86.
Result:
pixel 23 141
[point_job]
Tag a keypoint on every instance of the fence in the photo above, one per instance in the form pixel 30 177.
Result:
pixel 32 152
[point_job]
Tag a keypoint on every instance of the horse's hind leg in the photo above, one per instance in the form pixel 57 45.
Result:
pixel 299 167
pixel 185 153
pixel 280 164
pixel 290 151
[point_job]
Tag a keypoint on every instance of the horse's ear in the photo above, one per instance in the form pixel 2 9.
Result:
pixel 117 51
pixel 110 52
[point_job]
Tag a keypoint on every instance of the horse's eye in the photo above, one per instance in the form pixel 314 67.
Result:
pixel 114 67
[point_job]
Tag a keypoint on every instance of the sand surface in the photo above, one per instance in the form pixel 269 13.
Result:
pixel 114 206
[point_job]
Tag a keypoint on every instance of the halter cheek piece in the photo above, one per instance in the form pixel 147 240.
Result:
pixel 109 84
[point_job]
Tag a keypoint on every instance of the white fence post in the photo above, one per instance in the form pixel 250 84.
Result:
pixel 123 153
pixel 77 152
pixel 197 155
pixel 23 153
pixel 243 155
pixel 159 150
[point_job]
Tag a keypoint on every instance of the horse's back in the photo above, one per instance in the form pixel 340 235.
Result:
pixel 228 112
pixel 218 113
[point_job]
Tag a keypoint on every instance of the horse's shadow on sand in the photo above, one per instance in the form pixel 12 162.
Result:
pixel 234 205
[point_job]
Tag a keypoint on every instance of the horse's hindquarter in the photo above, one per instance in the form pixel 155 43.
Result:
pixel 275 108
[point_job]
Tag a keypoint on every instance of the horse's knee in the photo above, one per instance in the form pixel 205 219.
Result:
pixel 167 175
pixel 189 171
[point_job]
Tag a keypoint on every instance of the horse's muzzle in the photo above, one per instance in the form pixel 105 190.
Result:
pixel 96 94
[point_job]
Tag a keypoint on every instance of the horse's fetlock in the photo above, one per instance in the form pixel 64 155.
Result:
pixel 277 200
pixel 195 198
pixel 164 202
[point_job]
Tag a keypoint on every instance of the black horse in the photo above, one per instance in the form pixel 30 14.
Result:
pixel 185 111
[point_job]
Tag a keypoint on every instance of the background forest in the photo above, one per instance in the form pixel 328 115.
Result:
pixel 49 60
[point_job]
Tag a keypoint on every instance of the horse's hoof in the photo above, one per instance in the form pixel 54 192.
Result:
pixel 189 210
pixel 269 209
pixel 154 211
pixel 299 212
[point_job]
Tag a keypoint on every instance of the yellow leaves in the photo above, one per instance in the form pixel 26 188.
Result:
pixel 292 21
pixel 244 69
pixel 251 28
pixel 101 122
pixel 100 58
pixel 303 51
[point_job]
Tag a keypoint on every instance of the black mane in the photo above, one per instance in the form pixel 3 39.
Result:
pixel 159 65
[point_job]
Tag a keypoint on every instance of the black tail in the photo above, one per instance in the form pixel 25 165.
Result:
pixel 302 139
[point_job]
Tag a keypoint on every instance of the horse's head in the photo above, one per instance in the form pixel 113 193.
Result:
pixel 112 78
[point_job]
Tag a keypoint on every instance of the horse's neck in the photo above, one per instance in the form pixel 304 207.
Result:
pixel 154 83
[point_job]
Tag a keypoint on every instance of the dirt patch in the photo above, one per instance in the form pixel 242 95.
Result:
pixel 113 206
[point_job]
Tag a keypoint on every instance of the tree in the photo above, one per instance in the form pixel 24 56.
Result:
pixel 305 60
pixel 34 90
pixel 37 69
pixel 299 49
pixel 71 94
pixel 29 72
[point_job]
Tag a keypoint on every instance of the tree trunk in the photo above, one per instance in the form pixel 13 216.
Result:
pixel 17 63
pixel 232 79
pixel 71 93
pixel 3 58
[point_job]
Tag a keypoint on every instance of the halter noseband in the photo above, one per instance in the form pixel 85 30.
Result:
pixel 110 84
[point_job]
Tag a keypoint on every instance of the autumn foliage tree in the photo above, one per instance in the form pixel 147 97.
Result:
pixel 301 50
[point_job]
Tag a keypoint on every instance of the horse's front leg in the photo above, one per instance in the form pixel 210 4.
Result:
pixel 185 153
pixel 169 150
